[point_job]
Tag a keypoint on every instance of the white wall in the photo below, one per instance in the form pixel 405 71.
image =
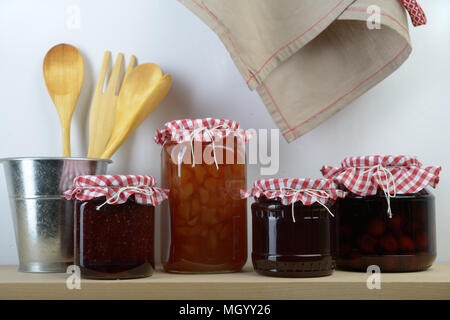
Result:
pixel 408 113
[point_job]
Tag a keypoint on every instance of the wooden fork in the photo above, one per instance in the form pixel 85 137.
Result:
pixel 103 107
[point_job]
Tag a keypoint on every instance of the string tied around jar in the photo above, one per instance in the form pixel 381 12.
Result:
pixel 209 132
pixel 142 189
pixel 390 181
pixel 321 194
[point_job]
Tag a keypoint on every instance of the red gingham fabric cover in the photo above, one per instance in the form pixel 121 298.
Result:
pixel 93 186
pixel 273 188
pixel 187 129
pixel 416 13
pixel 359 174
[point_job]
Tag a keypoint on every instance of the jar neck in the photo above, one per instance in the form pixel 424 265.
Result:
pixel 424 193
pixel 276 202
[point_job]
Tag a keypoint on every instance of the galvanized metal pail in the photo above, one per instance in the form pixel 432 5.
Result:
pixel 42 217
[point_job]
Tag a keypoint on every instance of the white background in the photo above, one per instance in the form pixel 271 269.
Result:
pixel 408 113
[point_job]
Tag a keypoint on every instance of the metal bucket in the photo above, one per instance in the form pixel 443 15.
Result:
pixel 43 218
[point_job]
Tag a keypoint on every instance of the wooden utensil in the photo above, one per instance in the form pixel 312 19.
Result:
pixel 64 75
pixel 141 92
pixel 103 108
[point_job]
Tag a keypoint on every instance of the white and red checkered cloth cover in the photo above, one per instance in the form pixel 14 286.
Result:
pixel 201 130
pixel 94 186
pixel 416 13
pixel 363 175
pixel 308 191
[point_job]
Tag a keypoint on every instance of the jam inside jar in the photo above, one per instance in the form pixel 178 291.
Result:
pixel 115 241
pixel 284 248
pixel 368 236
pixel 204 223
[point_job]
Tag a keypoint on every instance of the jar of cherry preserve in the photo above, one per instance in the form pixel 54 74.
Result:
pixel 387 218
pixel 204 224
pixel 114 225
pixel 292 226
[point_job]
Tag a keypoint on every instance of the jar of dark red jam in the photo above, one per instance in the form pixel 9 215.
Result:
pixel 293 239
pixel 387 218
pixel 114 234
pixel 368 236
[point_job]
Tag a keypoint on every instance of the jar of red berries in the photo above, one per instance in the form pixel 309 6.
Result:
pixel 387 218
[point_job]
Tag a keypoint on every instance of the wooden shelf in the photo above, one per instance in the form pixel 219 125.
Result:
pixel 431 284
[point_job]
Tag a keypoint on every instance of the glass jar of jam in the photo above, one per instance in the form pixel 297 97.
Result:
pixel 389 221
pixel 368 236
pixel 114 225
pixel 291 221
pixel 204 224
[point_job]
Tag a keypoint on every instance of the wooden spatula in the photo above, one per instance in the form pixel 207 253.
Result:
pixel 103 108
pixel 64 74
pixel 141 92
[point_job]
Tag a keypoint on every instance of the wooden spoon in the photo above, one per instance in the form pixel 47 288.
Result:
pixel 141 92
pixel 103 108
pixel 64 75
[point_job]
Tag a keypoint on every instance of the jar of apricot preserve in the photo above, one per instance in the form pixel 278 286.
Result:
pixel 292 226
pixel 114 225
pixel 204 224
pixel 387 218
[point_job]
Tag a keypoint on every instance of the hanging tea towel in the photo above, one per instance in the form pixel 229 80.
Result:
pixel 308 59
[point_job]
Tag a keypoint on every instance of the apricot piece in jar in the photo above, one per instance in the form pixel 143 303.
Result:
pixel 212 184
pixel 204 195
pixel 213 171
pixel 184 178
pixel 187 191
pixel 209 216
pixel 200 173
pixel 184 211
pixel 213 240
pixel 221 214
pixel 182 231
pixel 193 221
pixel 226 232
pixel 217 201
pixel 195 207
pixel 178 222
pixel 187 250
pixel 195 231
pixel 204 231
